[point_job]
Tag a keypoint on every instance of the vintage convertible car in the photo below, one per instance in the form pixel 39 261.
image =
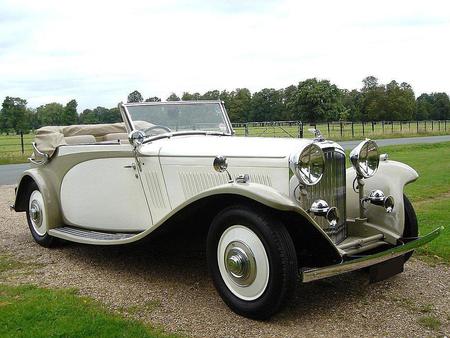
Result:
pixel 278 210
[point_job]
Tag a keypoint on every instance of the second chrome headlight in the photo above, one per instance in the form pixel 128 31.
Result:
pixel 309 164
pixel 365 158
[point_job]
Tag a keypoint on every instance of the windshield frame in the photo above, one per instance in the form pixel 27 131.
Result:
pixel 130 125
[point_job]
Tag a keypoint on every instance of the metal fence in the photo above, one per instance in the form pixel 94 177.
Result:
pixel 343 129
pixel 20 144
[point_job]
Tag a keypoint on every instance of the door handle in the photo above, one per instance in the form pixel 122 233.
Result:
pixel 132 166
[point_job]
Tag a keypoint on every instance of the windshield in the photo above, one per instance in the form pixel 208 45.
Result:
pixel 160 118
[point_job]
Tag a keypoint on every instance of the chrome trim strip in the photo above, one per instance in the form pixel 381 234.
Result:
pixel 359 263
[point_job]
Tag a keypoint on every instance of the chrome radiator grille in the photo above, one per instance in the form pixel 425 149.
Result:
pixel 331 188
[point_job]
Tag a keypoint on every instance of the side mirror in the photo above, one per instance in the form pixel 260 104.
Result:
pixel 136 138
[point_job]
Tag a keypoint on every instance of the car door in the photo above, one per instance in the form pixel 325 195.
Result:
pixel 103 190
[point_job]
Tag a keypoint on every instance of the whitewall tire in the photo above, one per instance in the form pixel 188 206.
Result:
pixel 252 260
pixel 37 217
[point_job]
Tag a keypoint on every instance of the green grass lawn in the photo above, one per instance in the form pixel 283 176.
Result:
pixel 28 311
pixel 10 148
pixel 430 194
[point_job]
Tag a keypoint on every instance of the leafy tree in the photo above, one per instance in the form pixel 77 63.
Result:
pixel 173 97
pixel 318 101
pixel 441 106
pixel 211 95
pixel 135 97
pixel 240 105
pixel 267 105
pixel 153 99
pixel 50 114
pixel 190 97
pixel 88 117
pixel 372 107
pixel 424 106
pixel 33 118
pixel 13 115
pixel 70 115
pixel 400 102
pixel 289 103
pixel 353 102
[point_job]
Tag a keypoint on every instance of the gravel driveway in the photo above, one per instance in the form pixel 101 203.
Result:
pixel 165 282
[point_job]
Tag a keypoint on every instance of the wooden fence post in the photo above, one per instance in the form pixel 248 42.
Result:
pixel 362 127
pixel 353 131
pixel 300 129
pixel 21 142
pixel 341 129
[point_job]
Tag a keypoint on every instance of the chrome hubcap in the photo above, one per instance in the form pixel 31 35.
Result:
pixel 240 263
pixel 35 213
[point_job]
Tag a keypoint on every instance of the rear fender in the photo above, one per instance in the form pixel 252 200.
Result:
pixel 52 205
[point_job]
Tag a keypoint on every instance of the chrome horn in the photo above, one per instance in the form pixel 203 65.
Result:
pixel 321 208
pixel 377 197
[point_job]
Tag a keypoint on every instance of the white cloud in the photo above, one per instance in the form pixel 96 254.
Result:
pixel 99 51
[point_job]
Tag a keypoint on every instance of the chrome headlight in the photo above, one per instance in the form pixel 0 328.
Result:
pixel 309 164
pixel 365 158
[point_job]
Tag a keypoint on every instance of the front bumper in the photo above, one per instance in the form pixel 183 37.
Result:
pixel 363 262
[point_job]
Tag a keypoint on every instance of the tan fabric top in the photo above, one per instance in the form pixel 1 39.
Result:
pixel 49 138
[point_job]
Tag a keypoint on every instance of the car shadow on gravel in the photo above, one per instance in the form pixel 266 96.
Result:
pixel 178 260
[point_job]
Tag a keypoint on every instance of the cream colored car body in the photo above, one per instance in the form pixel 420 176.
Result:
pixel 104 188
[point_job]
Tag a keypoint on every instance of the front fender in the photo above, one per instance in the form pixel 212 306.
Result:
pixel 262 194
pixel 391 177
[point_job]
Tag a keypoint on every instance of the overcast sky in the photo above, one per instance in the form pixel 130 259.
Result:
pixel 99 51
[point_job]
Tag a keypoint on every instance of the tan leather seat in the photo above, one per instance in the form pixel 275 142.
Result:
pixel 80 139
pixel 115 137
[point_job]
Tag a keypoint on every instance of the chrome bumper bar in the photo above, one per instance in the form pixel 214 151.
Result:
pixel 363 262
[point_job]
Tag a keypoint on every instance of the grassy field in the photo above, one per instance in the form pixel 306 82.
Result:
pixel 10 148
pixel 430 194
pixel 29 311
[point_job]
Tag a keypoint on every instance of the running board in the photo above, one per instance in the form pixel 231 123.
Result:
pixel 86 236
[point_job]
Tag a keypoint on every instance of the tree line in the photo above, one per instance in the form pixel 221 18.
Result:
pixel 311 100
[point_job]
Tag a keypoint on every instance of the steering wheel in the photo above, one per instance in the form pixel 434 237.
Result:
pixel 157 127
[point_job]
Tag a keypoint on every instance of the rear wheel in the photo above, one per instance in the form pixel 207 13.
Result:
pixel 411 226
pixel 37 217
pixel 252 261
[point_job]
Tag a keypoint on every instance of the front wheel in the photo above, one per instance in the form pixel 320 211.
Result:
pixel 37 217
pixel 252 261
pixel 411 229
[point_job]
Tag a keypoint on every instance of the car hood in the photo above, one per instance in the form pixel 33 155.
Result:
pixel 229 146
